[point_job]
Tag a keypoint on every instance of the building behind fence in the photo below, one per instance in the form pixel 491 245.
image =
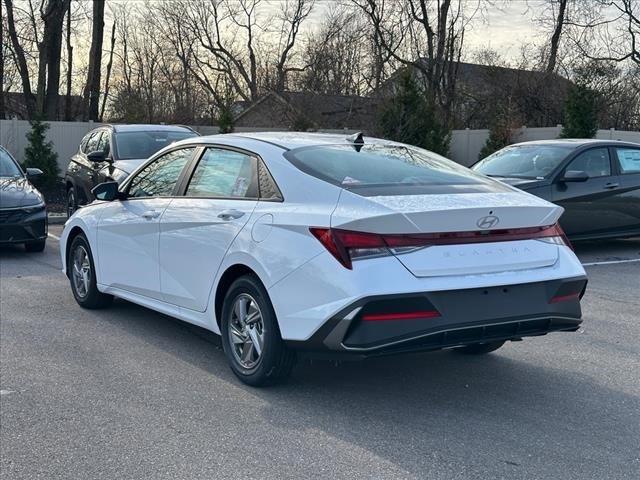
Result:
pixel 465 144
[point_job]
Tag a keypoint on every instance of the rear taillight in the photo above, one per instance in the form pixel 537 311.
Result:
pixel 346 245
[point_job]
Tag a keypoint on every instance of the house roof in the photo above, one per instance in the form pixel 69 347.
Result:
pixel 14 105
pixel 323 110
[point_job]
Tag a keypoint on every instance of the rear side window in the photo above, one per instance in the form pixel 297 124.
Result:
pixel 629 159
pixel 224 174
pixel 372 170
pixel 595 162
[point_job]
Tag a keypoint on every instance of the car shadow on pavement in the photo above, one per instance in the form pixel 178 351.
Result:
pixel 505 408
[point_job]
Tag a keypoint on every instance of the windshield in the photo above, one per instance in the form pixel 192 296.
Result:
pixel 523 161
pixel 388 170
pixel 8 168
pixel 143 144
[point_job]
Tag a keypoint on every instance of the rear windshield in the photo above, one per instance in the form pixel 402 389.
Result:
pixel 133 145
pixel 524 161
pixel 389 170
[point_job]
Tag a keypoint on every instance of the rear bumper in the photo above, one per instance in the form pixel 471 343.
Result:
pixel 24 228
pixel 461 317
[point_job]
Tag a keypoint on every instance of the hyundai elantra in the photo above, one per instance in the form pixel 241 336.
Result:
pixel 347 247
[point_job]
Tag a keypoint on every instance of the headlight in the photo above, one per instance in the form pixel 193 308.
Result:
pixel 34 208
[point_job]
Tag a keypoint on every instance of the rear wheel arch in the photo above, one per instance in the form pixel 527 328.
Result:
pixel 230 275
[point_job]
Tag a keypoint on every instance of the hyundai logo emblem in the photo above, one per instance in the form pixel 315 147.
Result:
pixel 488 222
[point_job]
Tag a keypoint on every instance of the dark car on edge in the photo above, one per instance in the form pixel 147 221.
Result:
pixel 596 181
pixel 112 152
pixel 23 213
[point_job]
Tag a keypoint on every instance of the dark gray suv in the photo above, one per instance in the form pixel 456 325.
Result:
pixel 112 152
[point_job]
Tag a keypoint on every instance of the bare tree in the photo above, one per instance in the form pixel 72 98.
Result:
pixel 291 16
pixel 557 33
pixel 1 63
pixel 108 73
pixel 19 55
pixel 91 93
pixel 425 35
pixel 611 32
pixel 337 55
pixel 67 113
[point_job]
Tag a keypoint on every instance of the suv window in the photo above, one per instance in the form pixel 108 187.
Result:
pixel 159 178
pixel 92 143
pixel 628 159
pixel 103 143
pixel 144 143
pixel 595 162
pixel 224 173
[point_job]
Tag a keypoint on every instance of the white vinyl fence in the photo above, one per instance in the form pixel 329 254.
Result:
pixel 465 144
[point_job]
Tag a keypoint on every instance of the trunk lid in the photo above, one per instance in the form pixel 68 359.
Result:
pixel 464 212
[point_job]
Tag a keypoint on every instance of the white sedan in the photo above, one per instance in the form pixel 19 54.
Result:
pixel 282 242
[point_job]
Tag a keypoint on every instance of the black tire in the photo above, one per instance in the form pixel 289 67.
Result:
pixel 35 246
pixel 480 348
pixel 72 201
pixel 276 361
pixel 92 298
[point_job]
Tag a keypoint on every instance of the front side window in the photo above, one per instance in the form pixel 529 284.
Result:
pixel 372 170
pixel 103 143
pixel 159 178
pixel 524 161
pixel 629 159
pixel 8 168
pixel 595 162
pixel 92 143
pixel 143 144
pixel 224 174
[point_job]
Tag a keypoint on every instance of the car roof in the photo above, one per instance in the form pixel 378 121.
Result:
pixel 291 140
pixel 150 128
pixel 577 142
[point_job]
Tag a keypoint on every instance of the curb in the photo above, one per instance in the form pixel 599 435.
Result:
pixel 56 218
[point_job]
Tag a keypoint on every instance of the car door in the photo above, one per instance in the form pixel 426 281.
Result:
pixel 128 229
pixel 197 229
pixel 590 206
pixel 84 169
pixel 628 204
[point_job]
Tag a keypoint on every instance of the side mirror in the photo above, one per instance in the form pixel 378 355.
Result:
pixel 97 156
pixel 107 191
pixel 575 176
pixel 34 172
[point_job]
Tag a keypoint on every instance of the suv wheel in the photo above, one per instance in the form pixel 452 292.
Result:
pixel 72 203
pixel 251 337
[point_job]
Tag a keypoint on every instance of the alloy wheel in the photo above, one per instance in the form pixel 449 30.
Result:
pixel 246 331
pixel 81 271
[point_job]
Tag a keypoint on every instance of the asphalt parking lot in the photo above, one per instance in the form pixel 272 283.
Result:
pixel 129 393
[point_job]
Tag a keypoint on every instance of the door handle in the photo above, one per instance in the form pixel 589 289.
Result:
pixel 151 214
pixel 230 214
pixel 611 185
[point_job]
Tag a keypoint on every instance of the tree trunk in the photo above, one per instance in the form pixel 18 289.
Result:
pixel 52 45
pixel 555 38
pixel 1 63
pixel 92 87
pixel 18 51
pixel 109 65
pixel 68 113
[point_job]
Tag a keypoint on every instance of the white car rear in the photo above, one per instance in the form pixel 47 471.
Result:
pixel 288 242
